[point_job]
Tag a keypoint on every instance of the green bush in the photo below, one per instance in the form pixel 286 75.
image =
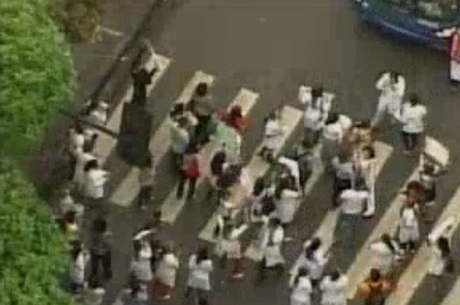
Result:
pixel 36 74
pixel 36 77
pixel 32 250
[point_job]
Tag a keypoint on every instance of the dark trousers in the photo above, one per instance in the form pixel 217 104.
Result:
pixel 201 129
pixel 410 140
pixel 191 186
pixel 145 195
pixel 105 261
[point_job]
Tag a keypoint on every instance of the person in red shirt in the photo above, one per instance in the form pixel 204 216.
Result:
pixel 234 118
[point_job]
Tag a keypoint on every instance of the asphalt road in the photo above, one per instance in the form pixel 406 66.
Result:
pixel 271 47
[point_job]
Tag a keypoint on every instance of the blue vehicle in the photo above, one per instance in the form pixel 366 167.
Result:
pixel 414 20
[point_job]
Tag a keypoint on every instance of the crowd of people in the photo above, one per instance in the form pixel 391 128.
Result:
pixel 269 202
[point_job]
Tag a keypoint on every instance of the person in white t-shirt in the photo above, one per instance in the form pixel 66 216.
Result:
pixel 353 203
pixel 413 123
pixel 95 179
pixel 392 87
pixel 301 288
pixel 317 106
pixel 200 266
pixel 333 289
pixel 273 134
pixel 334 131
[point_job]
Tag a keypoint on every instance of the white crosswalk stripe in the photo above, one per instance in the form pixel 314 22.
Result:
pixel 159 145
pixel 453 296
pixel 327 227
pixel 105 143
pixel 419 267
pixel 258 167
pixel 171 207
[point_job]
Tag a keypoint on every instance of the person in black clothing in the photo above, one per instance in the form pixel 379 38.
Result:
pixel 217 164
pixel 141 77
pixel 101 252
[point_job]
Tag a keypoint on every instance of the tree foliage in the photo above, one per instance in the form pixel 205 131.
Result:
pixel 36 76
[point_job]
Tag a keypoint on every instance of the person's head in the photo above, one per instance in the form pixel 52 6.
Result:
pixel 332 118
pixel 236 112
pixel 360 184
pixel 70 217
pixel 334 275
pixel 368 152
pixel 201 89
pixel 182 122
pixel 137 247
pixel 202 254
pixel 272 116
pixel 259 186
pixel 343 156
pixel 100 225
pixel 317 91
pixel 276 222
pixel 193 148
pixel 375 275
pixel 78 128
pixel 428 168
pixel 169 247
pixel 314 245
pixel 302 272
pixel 177 110
pixel 386 239
pixel 414 99
pixel 90 165
pixel 88 148
pixel 443 245
pixel 394 77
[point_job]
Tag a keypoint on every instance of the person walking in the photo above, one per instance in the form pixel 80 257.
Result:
pixel 142 77
pixel 353 203
pixel 408 229
pixel 232 248
pixel 301 288
pixel 190 172
pixel 217 165
pixel 344 175
pixel 95 179
pixel 141 268
pixel 413 115
pixel 101 253
pixel 146 182
pixel 317 106
pixel 271 247
pixel 79 260
pixel 332 135
pixel 180 140
pixel 287 200
pixel 274 131
pixel 202 107
pixel 200 267
pixel 82 156
pixel 392 87
pixel 385 252
pixel 333 289
pixel 165 274
pixel 314 260
pixel 374 290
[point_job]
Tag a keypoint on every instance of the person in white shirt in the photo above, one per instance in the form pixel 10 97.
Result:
pixel 333 289
pixel 314 259
pixel 274 131
pixel 287 200
pixel 82 158
pixel 365 168
pixel 165 274
pixel 141 268
pixel 408 233
pixel 333 134
pixel 232 248
pixel 180 139
pixel 438 240
pixel 353 202
pixel 392 87
pixel 77 268
pixel 317 106
pixel 301 288
pixel 413 123
pixel 344 175
pixel 76 140
pixel 271 247
pixel 95 179
pixel 385 250
pixel 200 268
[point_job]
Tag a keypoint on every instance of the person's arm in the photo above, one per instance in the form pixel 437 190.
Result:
pixel 239 230
pixel 383 81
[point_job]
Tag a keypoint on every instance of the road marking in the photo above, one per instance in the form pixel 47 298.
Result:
pixel 413 275
pixel 327 227
pixel 258 167
pixel 454 295
pixel 105 143
pixel 159 144
pixel 387 224
pixel 171 207
pixel 253 252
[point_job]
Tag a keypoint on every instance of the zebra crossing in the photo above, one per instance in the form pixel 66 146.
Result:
pixel 171 208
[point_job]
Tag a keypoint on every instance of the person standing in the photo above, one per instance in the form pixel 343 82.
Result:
pixel 232 248
pixel 141 76
pixel 412 119
pixel 392 87
pixel 344 175
pixel 438 240
pixel 365 169
pixel 301 288
pixel 190 172
pixel 454 67
pixel 217 165
pixel 141 268
pixel 165 274
pixel 317 106
pixel 271 247
pixel 200 267
pixel 374 290
pixel 180 140
pixel 101 252
pixel 79 260
pixel 83 156
pixel 146 181
pixel 95 179
pixel 273 133
pixel 333 134
pixel 409 233
pixel 333 289
pixel 287 199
